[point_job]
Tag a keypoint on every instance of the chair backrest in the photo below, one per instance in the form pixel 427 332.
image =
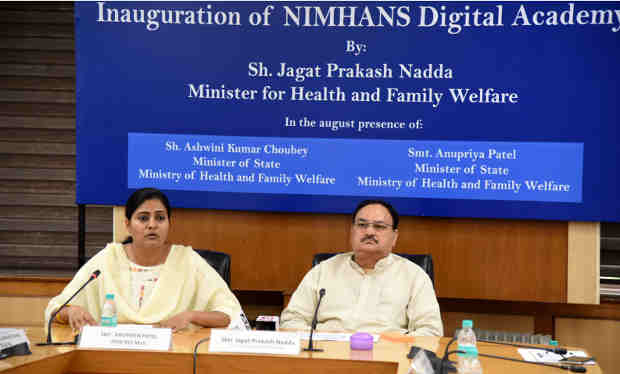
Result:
pixel 220 261
pixel 423 261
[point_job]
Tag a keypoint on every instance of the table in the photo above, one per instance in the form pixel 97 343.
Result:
pixel 388 356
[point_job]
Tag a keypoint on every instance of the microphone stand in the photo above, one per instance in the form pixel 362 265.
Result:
pixel 447 354
pixel 93 276
pixel 314 322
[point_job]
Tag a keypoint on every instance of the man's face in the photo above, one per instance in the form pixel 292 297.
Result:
pixel 372 232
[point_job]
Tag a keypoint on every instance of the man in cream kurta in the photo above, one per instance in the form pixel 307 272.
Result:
pixel 186 283
pixel 369 289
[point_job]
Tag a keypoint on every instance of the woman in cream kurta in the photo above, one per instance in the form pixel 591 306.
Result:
pixel 152 280
pixel 186 283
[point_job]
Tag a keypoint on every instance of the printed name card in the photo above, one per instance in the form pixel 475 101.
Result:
pixel 131 337
pixel 11 337
pixel 271 342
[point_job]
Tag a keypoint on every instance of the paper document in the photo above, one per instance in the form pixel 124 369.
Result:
pixel 537 355
pixel 331 336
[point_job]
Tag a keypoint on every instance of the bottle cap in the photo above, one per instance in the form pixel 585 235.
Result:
pixel 468 323
pixel 109 296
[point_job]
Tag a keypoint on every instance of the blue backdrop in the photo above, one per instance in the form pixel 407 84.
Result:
pixel 506 110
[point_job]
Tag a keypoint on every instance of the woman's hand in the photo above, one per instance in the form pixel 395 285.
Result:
pixel 178 322
pixel 78 317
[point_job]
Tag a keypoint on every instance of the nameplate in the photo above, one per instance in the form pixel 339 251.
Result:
pixel 131 337
pixel 10 337
pixel 270 342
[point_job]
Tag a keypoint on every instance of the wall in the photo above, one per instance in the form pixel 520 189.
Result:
pixel 38 215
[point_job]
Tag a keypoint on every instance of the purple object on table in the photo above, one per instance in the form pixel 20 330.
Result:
pixel 361 341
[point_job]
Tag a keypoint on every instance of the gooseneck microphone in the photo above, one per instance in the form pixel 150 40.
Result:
pixel 443 367
pixel 557 350
pixel 573 368
pixel 93 276
pixel 314 322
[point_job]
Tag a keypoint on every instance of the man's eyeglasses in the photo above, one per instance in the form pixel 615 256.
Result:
pixel 378 226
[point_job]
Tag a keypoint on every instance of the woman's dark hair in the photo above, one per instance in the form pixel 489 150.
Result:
pixel 140 196
pixel 385 204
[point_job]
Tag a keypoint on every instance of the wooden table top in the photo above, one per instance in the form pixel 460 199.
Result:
pixel 388 356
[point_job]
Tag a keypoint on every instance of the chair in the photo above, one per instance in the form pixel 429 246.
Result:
pixel 219 261
pixel 423 261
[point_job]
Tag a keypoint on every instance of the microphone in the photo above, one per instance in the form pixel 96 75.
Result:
pixel 93 276
pixel 557 350
pixel 443 367
pixel 573 368
pixel 314 322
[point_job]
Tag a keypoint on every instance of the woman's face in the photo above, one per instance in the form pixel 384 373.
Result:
pixel 149 225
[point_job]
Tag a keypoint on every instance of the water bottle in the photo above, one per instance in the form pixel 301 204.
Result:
pixel 468 362
pixel 108 313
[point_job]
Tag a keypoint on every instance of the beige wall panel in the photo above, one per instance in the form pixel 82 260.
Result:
pixel 501 322
pixel 601 338
pixel 119 232
pixel 584 244
pixel 22 311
